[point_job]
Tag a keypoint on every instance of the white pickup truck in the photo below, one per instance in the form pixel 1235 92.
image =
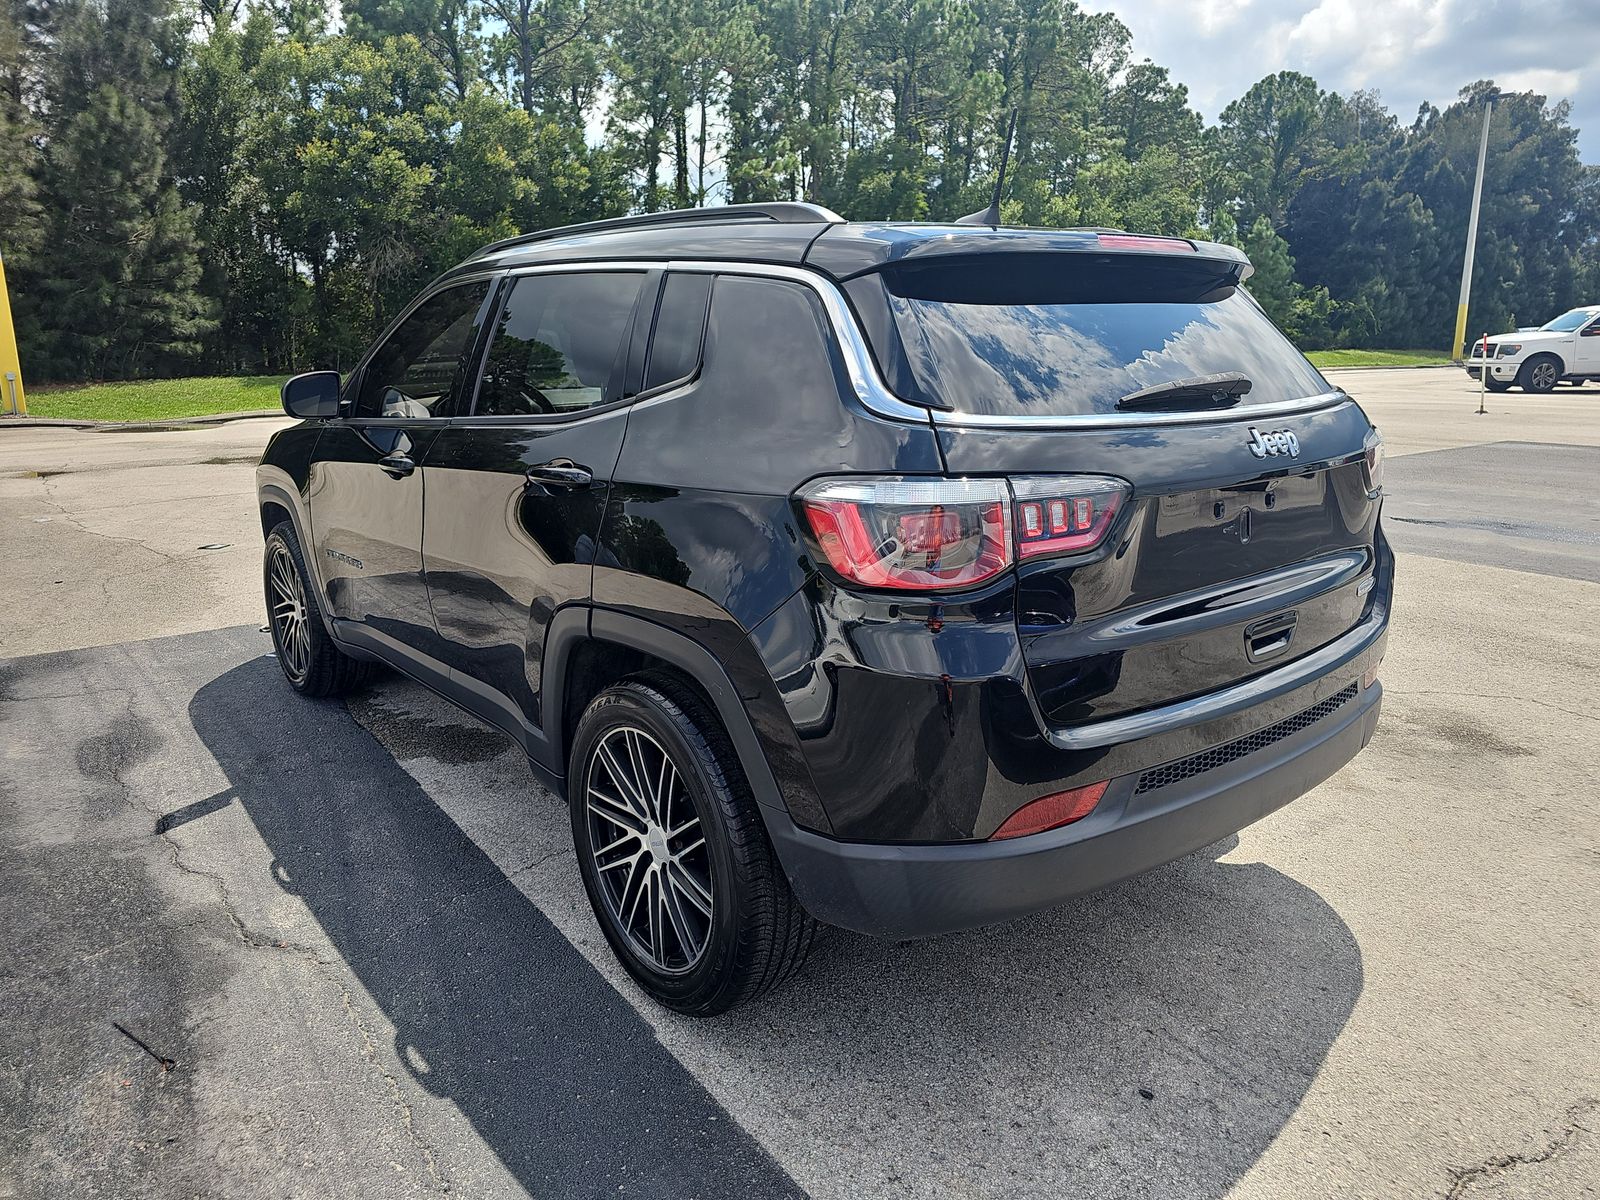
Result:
pixel 1538 359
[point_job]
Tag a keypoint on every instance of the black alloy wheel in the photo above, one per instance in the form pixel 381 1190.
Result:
pixel 674 853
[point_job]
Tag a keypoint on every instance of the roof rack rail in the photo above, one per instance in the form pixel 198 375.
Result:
pixel 782 212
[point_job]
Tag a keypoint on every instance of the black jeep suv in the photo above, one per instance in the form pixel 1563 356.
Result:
pixel 899 577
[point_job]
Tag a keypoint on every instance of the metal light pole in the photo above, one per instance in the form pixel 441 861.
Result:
pixel 1456 348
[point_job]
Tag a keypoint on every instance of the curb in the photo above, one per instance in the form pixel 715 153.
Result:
pixel 1411 367
pixel 14 422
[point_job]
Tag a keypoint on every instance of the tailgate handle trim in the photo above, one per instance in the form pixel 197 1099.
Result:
pixel 1269 637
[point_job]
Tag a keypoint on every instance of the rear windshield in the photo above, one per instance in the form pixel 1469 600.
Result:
pixel 1072 334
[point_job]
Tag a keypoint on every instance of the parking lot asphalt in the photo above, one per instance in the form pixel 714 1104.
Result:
pixel 264 947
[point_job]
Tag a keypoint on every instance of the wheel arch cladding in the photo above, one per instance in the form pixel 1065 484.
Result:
pixel 622 641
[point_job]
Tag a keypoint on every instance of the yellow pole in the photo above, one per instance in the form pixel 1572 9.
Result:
pixel 12 398
pixel 1461 326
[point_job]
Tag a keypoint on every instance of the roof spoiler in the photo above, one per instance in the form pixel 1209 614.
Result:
pixel 892 245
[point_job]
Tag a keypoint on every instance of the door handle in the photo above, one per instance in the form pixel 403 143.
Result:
pixel 1271 636
pixel 562 473
pixel 398 465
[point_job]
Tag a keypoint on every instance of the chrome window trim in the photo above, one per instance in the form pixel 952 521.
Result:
pixel 874 393
pixel 1139 420
pixel 662 395
pixel 865 381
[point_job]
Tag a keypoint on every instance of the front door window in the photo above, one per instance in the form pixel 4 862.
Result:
pixel 421 368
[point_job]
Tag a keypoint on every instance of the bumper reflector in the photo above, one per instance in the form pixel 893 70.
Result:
pixel 1051 812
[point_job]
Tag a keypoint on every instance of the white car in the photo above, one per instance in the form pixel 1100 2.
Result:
pixel 1538 359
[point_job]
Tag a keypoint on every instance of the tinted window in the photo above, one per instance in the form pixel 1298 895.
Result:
pixel 680 327
pixel 557 344
pixel 1029 337
pixel 422 365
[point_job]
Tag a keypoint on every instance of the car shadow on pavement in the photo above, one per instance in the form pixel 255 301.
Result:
pixel 493 1008
pixel 1150 1040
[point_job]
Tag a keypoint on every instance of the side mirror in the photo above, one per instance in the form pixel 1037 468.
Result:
pixel 1593 330
pixel 312 396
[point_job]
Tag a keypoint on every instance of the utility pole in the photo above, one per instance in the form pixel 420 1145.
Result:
pixel 1456 348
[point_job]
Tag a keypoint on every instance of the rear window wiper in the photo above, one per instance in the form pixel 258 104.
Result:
pixel 1222 390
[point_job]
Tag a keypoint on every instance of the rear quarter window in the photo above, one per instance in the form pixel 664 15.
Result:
pixel 1069 335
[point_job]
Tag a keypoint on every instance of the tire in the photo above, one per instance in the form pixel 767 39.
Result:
pixel 1540 373
pixel 703 926
pixel 312 664
pixel 1497 385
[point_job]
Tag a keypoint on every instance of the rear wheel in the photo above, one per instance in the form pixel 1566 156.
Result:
pixel 1540 373
pixel 674 855
pixel 313 665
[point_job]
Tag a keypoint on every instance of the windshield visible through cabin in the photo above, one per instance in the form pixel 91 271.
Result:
pixel 1568 321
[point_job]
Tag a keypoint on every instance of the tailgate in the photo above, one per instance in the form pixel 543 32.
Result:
pixel 1223 566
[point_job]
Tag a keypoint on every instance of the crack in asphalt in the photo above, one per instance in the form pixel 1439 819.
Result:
pixel 538 862
pixel 1571 712
pixel 68 516
pixel 1463 1178
pixel 331 971
pixel 1526 529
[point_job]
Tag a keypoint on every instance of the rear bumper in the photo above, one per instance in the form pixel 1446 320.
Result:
pixel 920 890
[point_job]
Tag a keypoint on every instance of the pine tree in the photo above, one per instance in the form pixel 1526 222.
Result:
pixel 21 218
pixel 113 292
pixel 1273 282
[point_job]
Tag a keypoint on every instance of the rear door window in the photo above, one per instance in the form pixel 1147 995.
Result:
pixel 1070 335
pixel 557 345
pixel 680 328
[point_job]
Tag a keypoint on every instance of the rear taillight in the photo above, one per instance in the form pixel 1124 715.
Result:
pixel 1372 466
pixel 910 534
pixel 1065 514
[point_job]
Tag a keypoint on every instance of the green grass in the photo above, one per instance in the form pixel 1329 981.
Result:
pixel 1377 358
pixel 164 399
pixel 156 399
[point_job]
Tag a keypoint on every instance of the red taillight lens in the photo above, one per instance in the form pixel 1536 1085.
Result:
pixel 1051 812
pixel 913 534
pixel 1133 241
pixel 933 534
pixel 1065 514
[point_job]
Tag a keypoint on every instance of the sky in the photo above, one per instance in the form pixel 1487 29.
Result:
pixel 1409 51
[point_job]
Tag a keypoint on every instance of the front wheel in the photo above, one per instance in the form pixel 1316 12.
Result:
pixel 313 665
pixel 674 854
pixel 1540 374
pixel 1497 385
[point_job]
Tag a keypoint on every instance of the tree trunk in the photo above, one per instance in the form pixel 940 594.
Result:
pixel 680 156
pixel 700 163
pixel 524 36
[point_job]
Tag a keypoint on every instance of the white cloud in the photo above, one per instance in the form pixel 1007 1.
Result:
pixel 1411 51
